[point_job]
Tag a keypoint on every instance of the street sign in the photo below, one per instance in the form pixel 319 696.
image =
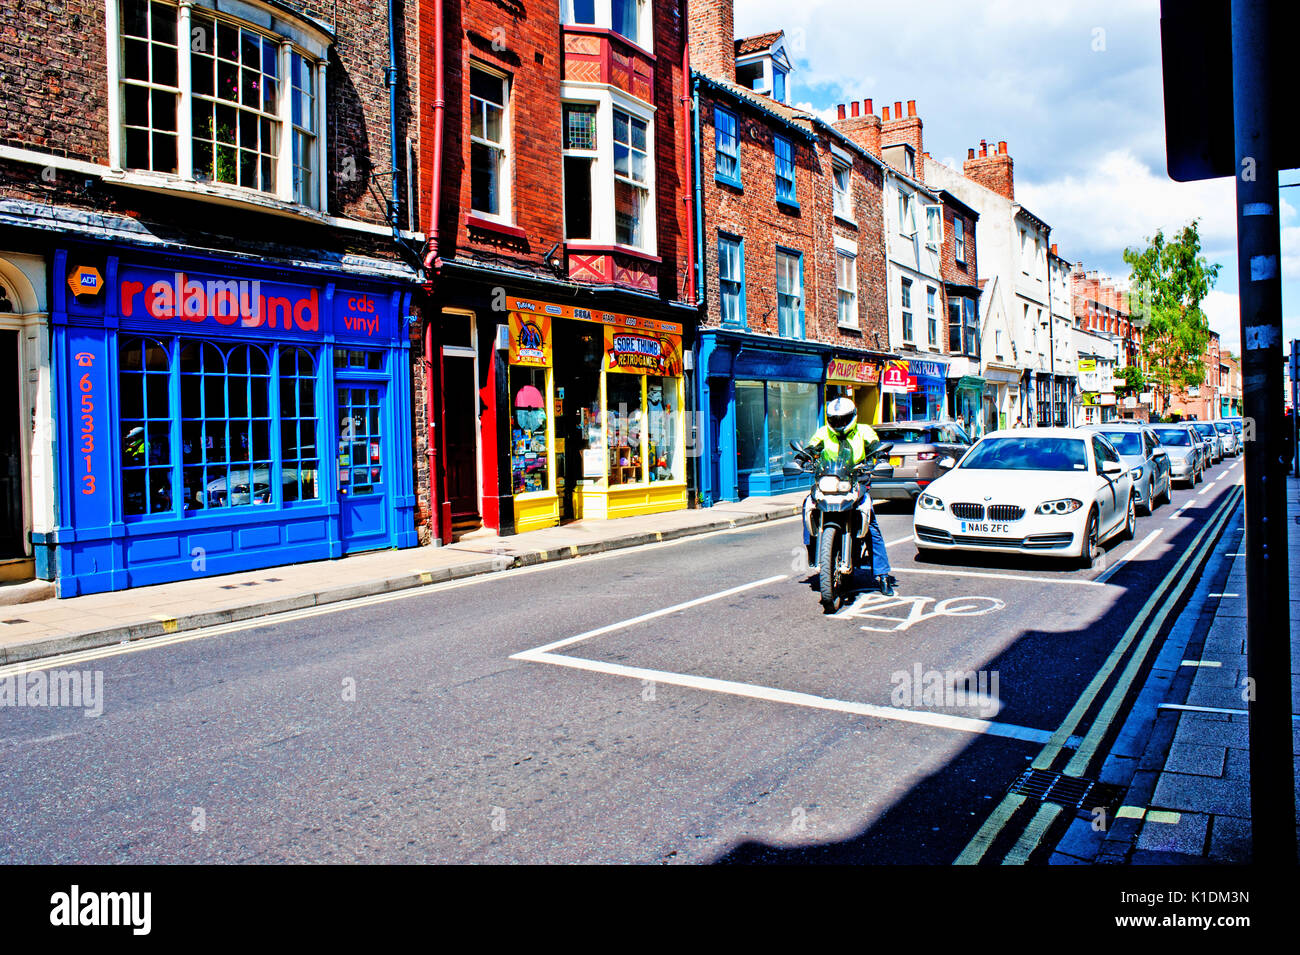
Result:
pixel 1196 54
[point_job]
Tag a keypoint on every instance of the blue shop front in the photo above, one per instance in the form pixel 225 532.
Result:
pixel 755 396
pixel 215 416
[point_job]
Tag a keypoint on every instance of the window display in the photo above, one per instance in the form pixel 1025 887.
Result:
pixel 529 452
pixel 661 423
pixel 623 428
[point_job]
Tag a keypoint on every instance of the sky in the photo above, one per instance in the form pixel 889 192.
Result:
pixel 1073 86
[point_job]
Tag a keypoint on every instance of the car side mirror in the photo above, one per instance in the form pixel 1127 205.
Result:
pixel 948 463
pixel 1112 467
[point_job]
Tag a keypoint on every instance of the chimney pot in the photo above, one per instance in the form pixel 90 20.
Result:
pixel 854 106
pixel 840 110
pixel 1054 248
pixel 911 107
pixel 1002 147
pixel 984 148
pixel 884 111
pixel 970 153
pixel 898 109
pixel 868 108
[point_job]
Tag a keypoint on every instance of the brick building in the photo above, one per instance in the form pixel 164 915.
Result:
pixel 1101 308
pixel 1200 402
pixel 793 263
pixel 209 255
pixel 559 269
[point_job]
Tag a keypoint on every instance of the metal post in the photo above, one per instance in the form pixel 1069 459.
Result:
pixel 1268 646
pixel 1295 405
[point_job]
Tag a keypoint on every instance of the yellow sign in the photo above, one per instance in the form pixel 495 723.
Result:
pixel 530 307
pixel 842 371
pixel 530 339
pixel 85 280
pixel 642 353
pixel 1087 364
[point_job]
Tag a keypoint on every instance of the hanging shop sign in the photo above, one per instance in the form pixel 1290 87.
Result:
pixel 1088 398
pixel 639 353
pixel 842 371
pixel 530 339
pixel 893 380
pixel 1087 364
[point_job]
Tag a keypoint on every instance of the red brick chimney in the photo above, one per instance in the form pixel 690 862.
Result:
pixel 863 127
pixel 993 172
pixel 712 34
pixel 903 130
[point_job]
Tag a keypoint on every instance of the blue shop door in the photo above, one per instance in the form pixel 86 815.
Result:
pixel 362 466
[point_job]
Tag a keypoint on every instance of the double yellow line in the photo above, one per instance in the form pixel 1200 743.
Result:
pixel 1148 623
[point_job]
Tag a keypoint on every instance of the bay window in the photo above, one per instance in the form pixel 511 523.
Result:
pixel 580 156
pixel 236 104
pixel 631 179
pixel 627 18
pixel 608 150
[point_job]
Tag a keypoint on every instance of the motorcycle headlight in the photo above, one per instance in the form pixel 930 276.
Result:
pixel 830 484
pixel 929 502
pixel 1063 506
pixel 1136 474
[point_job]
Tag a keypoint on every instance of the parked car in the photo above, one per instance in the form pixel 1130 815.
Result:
pixel 913 463
pixel 1212 438
pixel 1183 445
pixel 1202 448
pixel 258 491
pixel 1060 491
pixel 1228 434
pixel 1148 463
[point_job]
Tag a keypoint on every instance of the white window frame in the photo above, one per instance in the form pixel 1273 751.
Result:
pixel 847 249
pixel 959 239
pixel 907 213
pixel 931 314
pixel 505 175
pixel 842 199
pixel 293 35
pixel 907 313
pixel 592 154
pixel 607 99
pixel 604 17
pixel 933 225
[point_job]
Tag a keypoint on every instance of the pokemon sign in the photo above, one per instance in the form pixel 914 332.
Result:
pixel 530 339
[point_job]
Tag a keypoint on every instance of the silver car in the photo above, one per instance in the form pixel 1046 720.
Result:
pixel 1212 437
pixel 1231 441
pixel 1147 462
pixel 1183 445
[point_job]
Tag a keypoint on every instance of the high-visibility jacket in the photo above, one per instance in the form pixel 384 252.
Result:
pixel 857 439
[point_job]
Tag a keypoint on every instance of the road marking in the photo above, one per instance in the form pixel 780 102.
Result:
pixel 338 606
pixel 753 691
pixel 1002 813
pixel 1202 663
pixel 1025 577
pixel 901 540
pixel 862 607
pixel 655 614
pixel 1133 552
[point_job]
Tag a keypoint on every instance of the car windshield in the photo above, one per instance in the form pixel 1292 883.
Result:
pixel 1175 438
pixel 1028 454
pixel 1205 429
pixel 905 435
pixel 1236 426
pixel 1126 442
pixel 1223 428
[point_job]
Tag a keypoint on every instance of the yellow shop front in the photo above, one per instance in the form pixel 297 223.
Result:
pixel 597 429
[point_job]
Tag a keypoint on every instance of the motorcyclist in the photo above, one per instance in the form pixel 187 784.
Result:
pixel 842 434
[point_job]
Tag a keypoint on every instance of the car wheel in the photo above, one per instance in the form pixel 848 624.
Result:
pixel 1088 549
pixel 1151 498
pixel 1167 496
pixel 1130 522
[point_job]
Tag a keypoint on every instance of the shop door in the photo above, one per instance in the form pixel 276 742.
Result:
pixel 460 391
pixel 362 466
pixel 11 464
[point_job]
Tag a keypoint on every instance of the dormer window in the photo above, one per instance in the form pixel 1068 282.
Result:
pixel 762 65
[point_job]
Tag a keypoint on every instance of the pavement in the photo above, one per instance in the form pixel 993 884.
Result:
pixel 52 626
pixel 1184 751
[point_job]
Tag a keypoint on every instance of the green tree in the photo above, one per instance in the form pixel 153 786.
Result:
pixel 1170 278
pixel 1130 380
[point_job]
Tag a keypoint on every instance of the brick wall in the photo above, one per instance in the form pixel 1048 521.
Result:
pixel 713 38
pixel 992 171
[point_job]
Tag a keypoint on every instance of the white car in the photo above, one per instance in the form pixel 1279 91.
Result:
pixel 1056 491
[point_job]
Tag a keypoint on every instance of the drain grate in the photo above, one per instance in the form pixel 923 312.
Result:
pixel 1074 792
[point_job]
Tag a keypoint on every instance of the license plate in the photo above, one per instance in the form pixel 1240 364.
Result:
pixel 973 527
pixel 895 462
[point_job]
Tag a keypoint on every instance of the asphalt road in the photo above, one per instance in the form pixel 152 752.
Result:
pixel 744 726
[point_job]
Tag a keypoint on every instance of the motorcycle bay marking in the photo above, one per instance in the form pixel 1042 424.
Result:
pixel 865 607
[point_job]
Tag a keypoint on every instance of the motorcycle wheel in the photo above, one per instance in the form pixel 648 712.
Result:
pixel 828 562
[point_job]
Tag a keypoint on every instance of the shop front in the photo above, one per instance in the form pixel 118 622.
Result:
pixel 595 428
pixel 213 416
pixel 968 400
pixel 926 396
pixel 755 397
pixel 859 381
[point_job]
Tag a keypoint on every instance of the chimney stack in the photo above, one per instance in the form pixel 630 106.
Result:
pixel 861 126
pixel 712 35
pixel 995 172
pixel 903 130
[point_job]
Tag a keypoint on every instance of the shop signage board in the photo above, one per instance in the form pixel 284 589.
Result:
pixel 639 353
pixel 893 380
pixel 1087 398
pixel 842 371
pixel 600 317
pixel 530 339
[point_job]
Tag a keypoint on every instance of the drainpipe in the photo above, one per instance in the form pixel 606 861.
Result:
pixel 702 407
pixel 688 159
pixel 390 76
pixel 699 200
pixel 431 263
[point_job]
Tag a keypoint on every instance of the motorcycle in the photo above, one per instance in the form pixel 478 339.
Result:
pixel 837 517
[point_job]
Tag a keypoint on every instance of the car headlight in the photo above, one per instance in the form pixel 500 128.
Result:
pixel 830 484
pixel 1136 474
pixel 1064 506
pixel 929 502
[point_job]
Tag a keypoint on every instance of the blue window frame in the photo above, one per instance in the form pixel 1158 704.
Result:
pixel 778 84
pixel 144 393
pixel 789 293
pixel 731 280
pixel 727 142
pixel 298 425
pixel 785 191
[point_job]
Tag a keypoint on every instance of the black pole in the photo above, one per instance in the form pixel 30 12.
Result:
pixel 1268 643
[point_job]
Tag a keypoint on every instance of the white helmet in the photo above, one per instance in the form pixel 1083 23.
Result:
pixel 841 415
